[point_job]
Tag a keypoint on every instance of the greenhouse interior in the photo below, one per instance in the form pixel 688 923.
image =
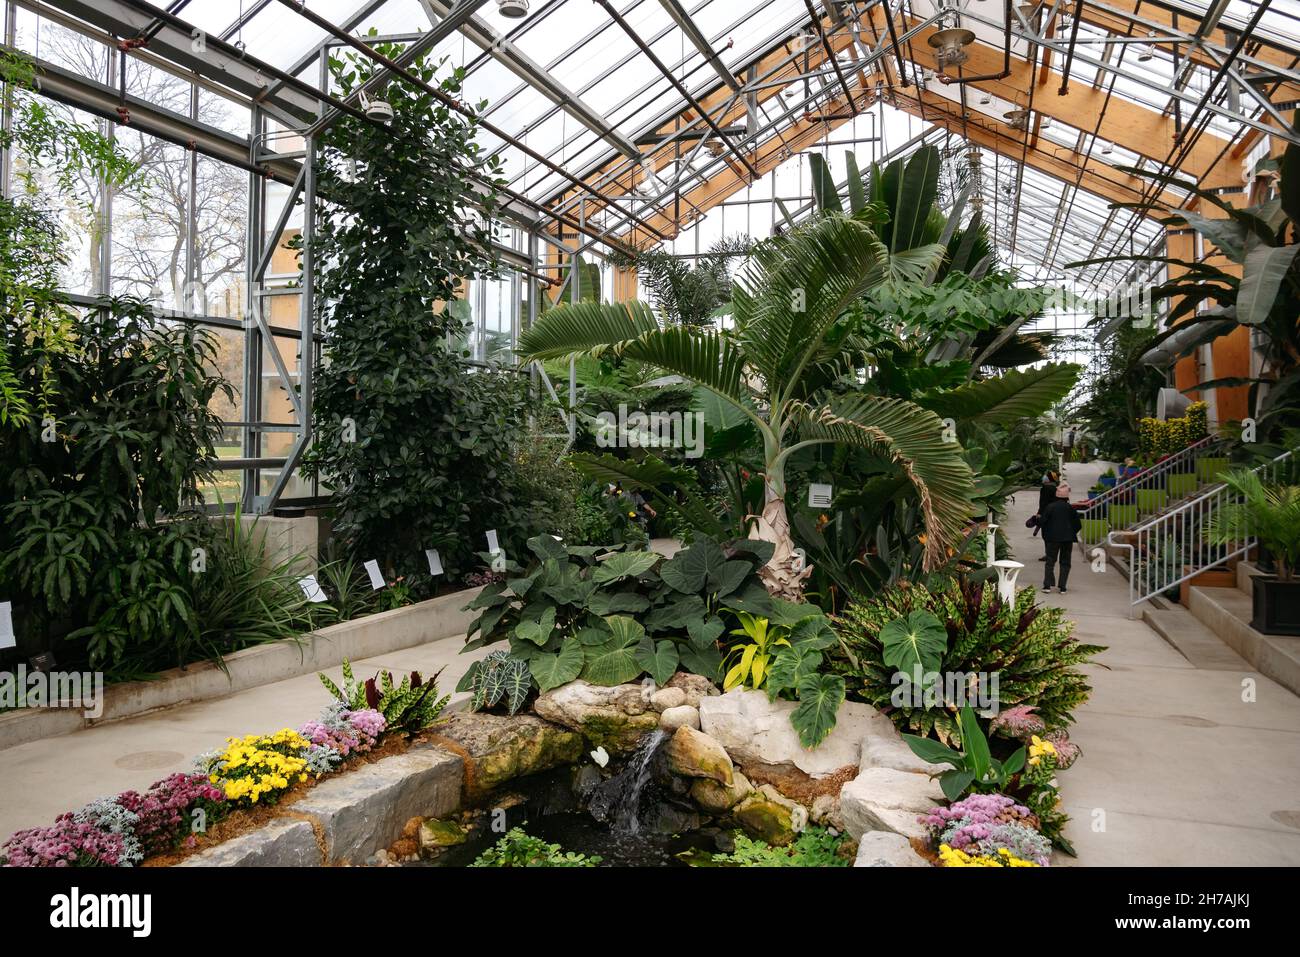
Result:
pixel 649 433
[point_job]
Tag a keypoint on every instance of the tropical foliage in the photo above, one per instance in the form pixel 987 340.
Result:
pixel 963 628
pixel 1266 511
pixel 1258 287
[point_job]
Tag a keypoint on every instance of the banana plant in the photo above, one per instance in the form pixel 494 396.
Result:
pixel 776 366
pixel 1263 243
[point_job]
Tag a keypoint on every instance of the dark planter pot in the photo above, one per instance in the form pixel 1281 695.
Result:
pixel 1276 605
pixel 1107 481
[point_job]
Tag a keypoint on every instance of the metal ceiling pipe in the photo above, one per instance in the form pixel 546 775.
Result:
pixel 830 53
pixel 1069 50
pixel 677 85
pixel 454 104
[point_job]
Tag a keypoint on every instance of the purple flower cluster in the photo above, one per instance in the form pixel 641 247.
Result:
pixel 345 732
pixel 978 809
pixel 165 809
pixel 65 843
pixel 983 823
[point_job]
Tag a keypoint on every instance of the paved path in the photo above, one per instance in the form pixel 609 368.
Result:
pixel 1176 769
pixel 41 779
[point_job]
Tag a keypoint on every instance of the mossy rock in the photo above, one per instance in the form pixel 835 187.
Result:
pixel 766 819
pixel 436 833
pixel 616 732
pixel 497 748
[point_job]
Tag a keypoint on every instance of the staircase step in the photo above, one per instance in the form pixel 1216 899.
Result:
pixel 1245 572
pixel 1227 612
pixel 1191 639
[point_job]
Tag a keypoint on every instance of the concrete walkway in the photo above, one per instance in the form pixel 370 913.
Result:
pixel 41 779
pixel 1176 768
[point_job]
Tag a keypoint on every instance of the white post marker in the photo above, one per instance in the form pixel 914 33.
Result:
pixel 376 576
pixel 1007 574
pixel 992 540
pixel 435 561
pixel 311 588
pixel 820 495
pixel 7 637
pixel 493 545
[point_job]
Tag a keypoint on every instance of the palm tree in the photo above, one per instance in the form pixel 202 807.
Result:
pixel 777 365
pixel 1266 511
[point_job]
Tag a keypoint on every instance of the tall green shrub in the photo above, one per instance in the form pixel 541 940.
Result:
pixel 101 539
pixel 414 443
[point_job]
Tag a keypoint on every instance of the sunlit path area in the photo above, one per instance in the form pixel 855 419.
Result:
pixel 625 435
pixel 1184 766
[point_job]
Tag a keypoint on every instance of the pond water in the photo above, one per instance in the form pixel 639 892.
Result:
pixel 633 814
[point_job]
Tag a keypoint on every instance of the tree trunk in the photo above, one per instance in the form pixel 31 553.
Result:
pixel 785 573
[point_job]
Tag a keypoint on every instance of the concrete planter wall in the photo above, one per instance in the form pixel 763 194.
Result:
pixel 367 637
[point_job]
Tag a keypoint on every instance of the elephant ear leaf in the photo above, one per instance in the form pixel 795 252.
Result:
pixel 551 671
pixel 792 664
pixel 915 643
pixel 657 658
pixel 820 697
pixel 622 565
pixel 614 661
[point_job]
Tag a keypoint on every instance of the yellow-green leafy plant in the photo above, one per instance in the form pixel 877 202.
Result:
pixel 747 661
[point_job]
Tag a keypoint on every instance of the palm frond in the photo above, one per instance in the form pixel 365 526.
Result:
pixel 912 439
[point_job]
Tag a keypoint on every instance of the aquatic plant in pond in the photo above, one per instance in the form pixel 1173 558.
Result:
pixel 518 849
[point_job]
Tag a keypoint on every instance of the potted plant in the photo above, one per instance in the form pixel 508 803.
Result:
pixel 1270 513
pixel 1107 479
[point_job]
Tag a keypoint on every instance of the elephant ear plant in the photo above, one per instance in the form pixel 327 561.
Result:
pixel 777 366
pixel 570 613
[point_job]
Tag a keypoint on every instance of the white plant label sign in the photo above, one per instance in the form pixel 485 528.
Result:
pixel 376 576
pixel 493 545
pixel 819 495
pixel 435 561
pixel 311 588
pixel 7 637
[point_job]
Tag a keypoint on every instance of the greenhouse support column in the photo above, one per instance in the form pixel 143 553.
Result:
pixel 252 299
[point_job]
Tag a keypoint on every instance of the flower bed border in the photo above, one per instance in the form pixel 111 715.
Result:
pixel 366 637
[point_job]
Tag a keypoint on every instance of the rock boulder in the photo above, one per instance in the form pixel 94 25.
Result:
pixel 755 730
pixel 882 799
pixel 695 755
pixel 614 718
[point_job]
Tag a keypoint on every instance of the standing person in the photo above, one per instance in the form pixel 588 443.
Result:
pixel 1046 495
pixel 1061 525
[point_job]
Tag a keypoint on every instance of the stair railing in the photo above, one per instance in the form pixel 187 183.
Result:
pixel 1150 479
pixel 1171 548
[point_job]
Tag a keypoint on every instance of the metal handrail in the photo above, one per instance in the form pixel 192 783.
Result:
pixel 1169 549
pixel 1149 478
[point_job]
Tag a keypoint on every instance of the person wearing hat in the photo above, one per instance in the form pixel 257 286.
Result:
pixel 1061 524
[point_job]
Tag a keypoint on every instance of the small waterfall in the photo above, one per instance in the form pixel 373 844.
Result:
pixel 622 793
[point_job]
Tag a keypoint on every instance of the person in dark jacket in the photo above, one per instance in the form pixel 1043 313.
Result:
pixel 1046 495
pixel 1061 524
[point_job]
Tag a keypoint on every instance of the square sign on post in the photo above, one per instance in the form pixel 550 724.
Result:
pixel 376 576
pixel 311 588
pixel 7 637
pixel 435 561
pixel 819 495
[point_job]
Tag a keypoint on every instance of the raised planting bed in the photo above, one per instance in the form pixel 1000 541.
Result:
pixel 431 620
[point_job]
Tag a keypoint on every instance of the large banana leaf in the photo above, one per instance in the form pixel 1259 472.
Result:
pixel 912 439
pixel 913 198
pixel 825 195
pixel 1016 394
pixel 1261 278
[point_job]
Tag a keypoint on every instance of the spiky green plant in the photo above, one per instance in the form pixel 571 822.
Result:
pixel 408 707
pixel 1267 511
pixel 1029 646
